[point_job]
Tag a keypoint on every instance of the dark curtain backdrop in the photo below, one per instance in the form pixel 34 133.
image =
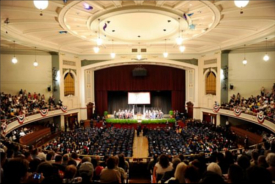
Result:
pixel 160 100
pixel 159 78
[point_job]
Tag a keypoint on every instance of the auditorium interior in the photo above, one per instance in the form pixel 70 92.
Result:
pixel 137 91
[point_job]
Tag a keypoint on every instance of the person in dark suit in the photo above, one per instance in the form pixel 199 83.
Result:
pixel 246 141
pixel 138 130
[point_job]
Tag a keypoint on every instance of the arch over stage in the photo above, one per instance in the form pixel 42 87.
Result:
pixel 159 78
pixel 175 76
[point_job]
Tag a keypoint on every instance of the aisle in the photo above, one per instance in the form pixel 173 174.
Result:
pixel 140 148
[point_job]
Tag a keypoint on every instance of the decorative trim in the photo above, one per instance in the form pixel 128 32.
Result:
pixel 70 63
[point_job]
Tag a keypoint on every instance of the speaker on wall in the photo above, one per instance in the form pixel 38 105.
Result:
pixel 231 86
pixel 49 88
pixel 139 72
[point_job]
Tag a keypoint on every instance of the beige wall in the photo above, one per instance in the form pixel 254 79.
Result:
pixel 248 80
pixel 24 75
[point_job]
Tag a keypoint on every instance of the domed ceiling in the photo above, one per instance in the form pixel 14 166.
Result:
pixel 75 26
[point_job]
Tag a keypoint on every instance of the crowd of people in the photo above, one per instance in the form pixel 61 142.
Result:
pixel 264 102
pixel 129 114
pixel 25 103
pixel 198 137
pixel 252 166
pixel 21 164
pixel 95 141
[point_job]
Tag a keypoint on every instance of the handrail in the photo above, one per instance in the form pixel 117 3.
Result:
pixel 8 121
pixel 249 113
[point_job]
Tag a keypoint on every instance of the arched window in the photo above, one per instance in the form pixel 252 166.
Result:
pixel 69 88
pixel 210 83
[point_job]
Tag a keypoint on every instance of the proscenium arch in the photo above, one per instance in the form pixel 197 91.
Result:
pixel 151 61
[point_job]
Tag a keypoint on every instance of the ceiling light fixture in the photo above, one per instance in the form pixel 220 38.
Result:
pixel 139 56
pixel 99 40
pixel 179 39
pixel 14 59
pixel 41 5
pixel 182 48
pixel 266 57
pixel 241 4
pixel 244 59
pixel 113 55
pixel 87 6
pixel 96 49
pixel 35 63
pixel 165 54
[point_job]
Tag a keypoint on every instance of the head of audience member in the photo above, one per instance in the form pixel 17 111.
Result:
pixel 176 161
pixel 34 164
pixel 180 172
pixel 111 163
pixel 256 174
pixel 270 159
pixel 86 159
pixel 266 145
pixel 229 157
pixel 235 174
pixel 95 162
pixel 255 156
pixel 181 157
pixel 214 167
pixel 243 162
pixel 46 168
pixel 164 161
pixel 10 153
pixel 74 156
pixel 192 175
pixel 58 159
pixel 212 177
pixel 70 172
pixel 72 162
pixel 3 156
pixel 16 171
pixel 65 159
pixel 105 158
pixel 122 163
pixel 50 156
pixel 28 156
pixel 262 162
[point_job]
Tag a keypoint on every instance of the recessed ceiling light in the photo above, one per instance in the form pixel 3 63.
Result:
pixel 169 21
pixel 139 36
pixel 164 29
pixel 113 30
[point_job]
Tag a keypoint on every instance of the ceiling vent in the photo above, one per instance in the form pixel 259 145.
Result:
pixel 134 50
pixel 143 50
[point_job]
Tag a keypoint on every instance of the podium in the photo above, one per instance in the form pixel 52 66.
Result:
pixel 90 107
pixel 190 106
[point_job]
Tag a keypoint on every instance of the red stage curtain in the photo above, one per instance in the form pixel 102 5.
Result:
pixel 158 78
pixel 178 100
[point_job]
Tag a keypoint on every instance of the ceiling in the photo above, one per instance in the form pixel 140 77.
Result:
pixel 137 24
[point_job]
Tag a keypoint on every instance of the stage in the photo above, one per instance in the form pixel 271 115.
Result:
pixel 140 117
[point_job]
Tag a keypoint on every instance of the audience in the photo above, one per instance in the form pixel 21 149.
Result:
pixel 94 141
pixel 199 137
pixel 63 163
pixel 110 174
pixel 161 167
pixel 263 102
pixel 24 103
